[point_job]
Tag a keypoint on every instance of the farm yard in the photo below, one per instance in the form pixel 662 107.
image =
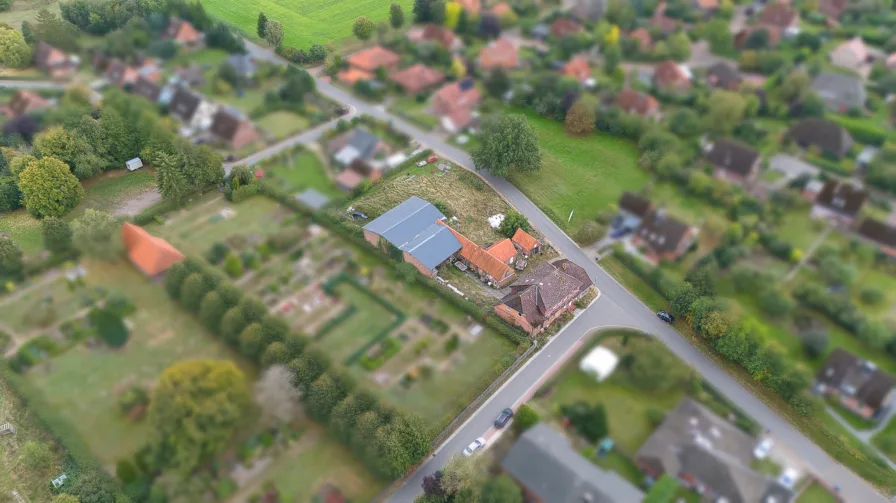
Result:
pixel 305 22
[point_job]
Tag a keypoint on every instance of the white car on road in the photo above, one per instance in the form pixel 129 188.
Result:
pixel 761 450
pixel 477 444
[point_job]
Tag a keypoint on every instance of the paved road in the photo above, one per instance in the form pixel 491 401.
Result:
pixel 616 307
pixel 32 84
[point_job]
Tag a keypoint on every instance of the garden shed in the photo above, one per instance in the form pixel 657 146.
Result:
pixel 600 362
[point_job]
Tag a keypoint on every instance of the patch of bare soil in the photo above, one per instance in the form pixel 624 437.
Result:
pixel 138 203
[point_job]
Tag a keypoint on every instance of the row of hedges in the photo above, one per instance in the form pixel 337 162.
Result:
pixel 387 440
pixel 862 131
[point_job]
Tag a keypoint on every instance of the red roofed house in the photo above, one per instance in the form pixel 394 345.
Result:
pixel 833 9
pixel 636 102
pixel 363 64
pixel 489 267
pixel 671 76
pixel 24 102
pixel 643 37
pixel 542 296
pixel 442 36
pixel 774 35
pixel 502 9
pixel 456 103
pixel 233 129
pixel 781 16
pixel 150 254
pixel 500 53
pixel 852 55
pixel 472 6
pixel 577 68
pixel 525 243
pixel 417 78
pixel 503 250
pixel 182 32
pixel 53 61
pixel 564 27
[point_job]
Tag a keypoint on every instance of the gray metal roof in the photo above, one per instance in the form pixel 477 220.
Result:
pixel 313 199
pixel 433 246
pixel 543 461
pixel 840 90
pixel 364 141
pixel 405 221
pixel 244 64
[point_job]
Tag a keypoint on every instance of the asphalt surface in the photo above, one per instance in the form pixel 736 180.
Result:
pixel 616 307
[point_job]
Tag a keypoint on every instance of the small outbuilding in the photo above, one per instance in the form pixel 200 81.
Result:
pixel 599 362
pixel 134 164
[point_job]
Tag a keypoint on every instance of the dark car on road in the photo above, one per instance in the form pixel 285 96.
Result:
pixel 663 315
pixel 503 418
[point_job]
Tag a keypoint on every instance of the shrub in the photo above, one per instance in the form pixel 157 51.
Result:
pixel 37 456
pixel 193 291
pixel 233 266
pixel 590 232
pixel 217 253
pixel 120 304
pixel 452 343
pixel 525 418
pixel 815 343
pixel 135 396
pixel 232 324
pixel 250 259
pixel 126 471
pixel 871 296
pixel 109 326
pixel 276 354
pixel 589 420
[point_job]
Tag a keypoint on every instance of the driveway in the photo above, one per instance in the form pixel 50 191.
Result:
pixel 617 307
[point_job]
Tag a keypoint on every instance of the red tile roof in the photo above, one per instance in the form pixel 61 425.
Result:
pixel 577 68
pixel 502 250
pixel 564 27
pixel 353 75
pixel 471 5
pixel 499 54
pixel 779 15
pixel 417 78
pixel 502 9
pixel 152 255
pixel 372 58
pixel 526 241
pixel 479 257
pixel 632 101
pixel 669 73
pixel 642 36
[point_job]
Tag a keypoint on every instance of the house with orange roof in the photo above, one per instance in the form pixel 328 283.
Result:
pixel 525 243
pixel 150 254
pixel 577 68
pixel 502 9
pixel 182 32
pixel 503 250
pixel 564 27
pixel 489 267
pixel 54 62
pixel 642 36
pixel 500 53
pixel 417 78
pixel 25 101
pixel 456 104
pixel 471 6
pixel 364 64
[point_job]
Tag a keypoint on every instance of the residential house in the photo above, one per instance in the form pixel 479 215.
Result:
pixel 414 228
pixel 182 32
pixel 503 250
pixel 858 384
pixel 150 254
pixel 578 68
pixel 471 6
pixel 502 10
pixel 364 64
pixel 852 55
pixel 774 35
pixel 537 299
pixel 437 34
pixel 525 243
pixel 671 76
pixel 192 110
pixel 54 62
pixel 456 104
pixel 825 135
pixel 723 75
pixel 356 144
pixel 540 32
pixel 841 93
pixel 233 129
pixel 550 470
pixel 733 161
pixel 586 10
pixel 662 237
pixel 500 53
pixel 882 234
pixel 147 89
pixel 417 78
pixel 563 27
pixel 491 266
pixel 891 62
pixel 244 64
pixel 708 454
pixel 833 9
pixel 782 16
pixel 25 102
pixel 119 73
pixel 707 7
pixel 190 76
pixel 632 210
pixel 642 36
pixel 636 102
pixel 839 202
pixel 663 23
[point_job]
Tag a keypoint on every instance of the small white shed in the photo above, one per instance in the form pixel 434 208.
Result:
pixel 134 164
pixel 600 362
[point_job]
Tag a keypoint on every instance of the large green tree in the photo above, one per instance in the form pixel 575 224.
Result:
pixel 273 33
pixel 363 28
pixel 71 146
pixel 396 16
pixel 508 145
pixel 97 234
pixel 12 267
pixel 49 188
pixel 724 111
pixel 195 410
pixel 324 395
pixel 262 24
pixel 14 52
pixel 57 235
pixel 501 489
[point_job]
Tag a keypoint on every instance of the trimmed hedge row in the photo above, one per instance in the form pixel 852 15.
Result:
pixel 335 321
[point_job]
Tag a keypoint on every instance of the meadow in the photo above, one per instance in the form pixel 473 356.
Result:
pixel 305 22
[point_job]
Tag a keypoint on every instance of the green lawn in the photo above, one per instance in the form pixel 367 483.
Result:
pixel 885 439
pixel 798 229
pixel 416 112
pixel 586 175
pixel 83 384
pixel 282 124
pixel 107 192
pixel 21 311
pixel 26 10
pixel 305 22
pixel 303 170
pixel 368 320
pixel 816 493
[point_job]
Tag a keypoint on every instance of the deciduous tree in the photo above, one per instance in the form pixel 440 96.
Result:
pixel 57 235
pixel 514 220
pixel 497 82
pixel 97 234
pixel 195 410
pixel 211 311
pixel 49 188
pixel 501 489
pixel 193 290
pixel 363 28
pixel 250 341
pixel 346 414
pixel 508 144
pixel 461 473
pixel 308 367
pixel 654 369
pixel 273 33
pixel 525 418
pixel 724 111
pixel 12 267
pixel 277 353
pixel 276 397
pixel 581 117
pixel 14 52
pixel 396 16
pixel 324 395
pixel 232 324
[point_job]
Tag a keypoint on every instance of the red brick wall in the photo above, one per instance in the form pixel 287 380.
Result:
pixel 416 263
pixel 514 318
pixel 372 238
pixel 244 135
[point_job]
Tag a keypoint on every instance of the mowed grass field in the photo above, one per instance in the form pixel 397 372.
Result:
pixel 584 175
pixel 305 22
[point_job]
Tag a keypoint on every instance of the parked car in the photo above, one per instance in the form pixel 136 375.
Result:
pixel 477 444
pixel 432 159
pixel 788 478
pixel 663 315
pixel 503 418
pixel 416 152
pixel 618 233
pixel 358 214
pixel 762 449
pixel 421 163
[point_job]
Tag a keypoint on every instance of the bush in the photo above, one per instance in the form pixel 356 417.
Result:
pixel 109 326
pixel 285 239
pixel 590 232
pixel 525 418
pixel 871 296
pixel 452 343
pixel 135 396
pixel 217 253
pixel 815 343
pixel 590 421
pixel 126 471
pixel 233 266
pixel 120 304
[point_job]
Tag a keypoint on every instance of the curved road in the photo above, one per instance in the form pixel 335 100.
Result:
pixel 616 307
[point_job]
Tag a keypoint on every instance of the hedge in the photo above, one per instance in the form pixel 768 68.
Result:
pixel 861 130
pixel 335 321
